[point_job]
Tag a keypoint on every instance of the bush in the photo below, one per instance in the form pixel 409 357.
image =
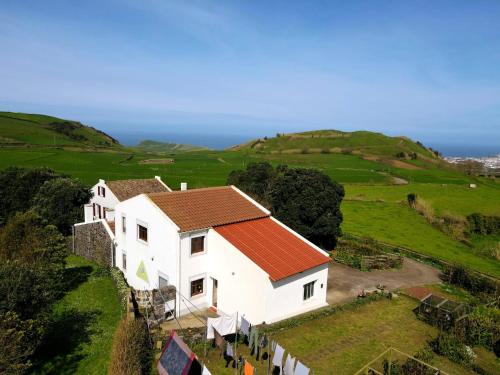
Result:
pixel 121 286
pixel 18 341
pixel 451 347
pixel 483 327
pixel 131 352
pixel 478 285
pixel 412 198
pixel 482 224
pixel 425 209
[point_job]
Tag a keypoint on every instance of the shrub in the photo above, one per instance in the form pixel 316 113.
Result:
pixel 471 281
pixel 121 286
pixel 18 341
pixel 425 209
pixel 483 326
pixel 412 198
pixel 451 347
pixel 131 352
pixel 482 224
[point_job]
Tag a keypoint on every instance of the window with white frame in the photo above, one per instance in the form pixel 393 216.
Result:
pixel 142 232
pixel 308 290
pixel 124 224
pixel 197 286
pixel 197 244
pixel 124 261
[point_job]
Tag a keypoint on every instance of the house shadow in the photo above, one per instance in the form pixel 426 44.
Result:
pixel 61 349
pixel 74 276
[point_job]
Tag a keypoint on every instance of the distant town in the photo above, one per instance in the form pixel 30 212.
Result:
pixel 489 162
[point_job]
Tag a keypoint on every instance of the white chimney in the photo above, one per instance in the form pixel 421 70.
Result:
pixel 184 186
pixel 158 178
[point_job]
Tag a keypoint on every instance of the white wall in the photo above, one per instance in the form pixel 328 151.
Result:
pixel 285 297
pixel 108 202
pixel 159 254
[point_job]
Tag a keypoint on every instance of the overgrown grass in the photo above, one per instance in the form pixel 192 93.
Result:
pixel 397 224
pixel 84 322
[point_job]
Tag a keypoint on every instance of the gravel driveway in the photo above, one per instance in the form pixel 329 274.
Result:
pixel 345 282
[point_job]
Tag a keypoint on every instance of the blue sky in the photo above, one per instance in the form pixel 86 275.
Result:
pixel 426 69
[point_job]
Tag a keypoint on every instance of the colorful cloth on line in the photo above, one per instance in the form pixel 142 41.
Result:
pixel 176 358
pixel 300 369
pixel 278 355
pixel 225 325
pixel 245 326
pixel 248 369
pixel 289 365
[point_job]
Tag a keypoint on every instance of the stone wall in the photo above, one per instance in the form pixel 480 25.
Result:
pixel 92 241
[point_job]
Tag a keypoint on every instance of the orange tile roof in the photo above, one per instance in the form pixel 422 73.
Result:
pixel 126 189
pixel 273 248
pixel 206 208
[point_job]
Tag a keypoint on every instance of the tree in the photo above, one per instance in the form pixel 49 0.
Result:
pixel 18 341
pixel 32 260
pixel 308 201
pixel 18 187
pixel 60 202
pixel 254 180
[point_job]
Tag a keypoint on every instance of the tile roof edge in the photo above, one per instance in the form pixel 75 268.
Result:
pixel 251 200
pixel 296 273
pixel 146 196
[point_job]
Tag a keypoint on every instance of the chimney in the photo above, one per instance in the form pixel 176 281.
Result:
pixel 158 178
pixel 184 186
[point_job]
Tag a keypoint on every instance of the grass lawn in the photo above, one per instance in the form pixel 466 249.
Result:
pixel 342 343
pixel 85 322
pixel 457 199
pixel 399 225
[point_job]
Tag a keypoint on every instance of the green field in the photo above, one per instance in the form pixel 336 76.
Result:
pixel 85 320
pixel 345 341
pixel 397 224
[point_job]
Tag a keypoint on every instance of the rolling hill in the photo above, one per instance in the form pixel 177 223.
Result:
pixel 166 147
pixel 399 152
pixel 33 129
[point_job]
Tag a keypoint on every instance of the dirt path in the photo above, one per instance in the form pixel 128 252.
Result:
pixel 345 282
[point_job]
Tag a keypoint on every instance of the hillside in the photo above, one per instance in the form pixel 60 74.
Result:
pixel 166 147
pixel 396 151
pixel 17 129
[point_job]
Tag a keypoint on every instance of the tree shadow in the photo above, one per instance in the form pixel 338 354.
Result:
pixel 61 349
pixel 74 276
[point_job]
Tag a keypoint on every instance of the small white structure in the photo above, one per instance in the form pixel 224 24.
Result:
pixel 107 194
pixel 472 186
pixel 220 249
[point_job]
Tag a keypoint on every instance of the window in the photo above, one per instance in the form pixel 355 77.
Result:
pixel 142 233
pixel 103 192
pixel 197 287
pixel 124 261
pixel 309 290
pixel 124 224
pixel 104 212
pixel 197 244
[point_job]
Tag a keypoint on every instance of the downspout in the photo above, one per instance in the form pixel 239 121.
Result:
pixel 73 235
pixel 179 293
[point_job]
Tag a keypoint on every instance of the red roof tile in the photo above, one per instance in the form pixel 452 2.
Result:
pixel 206 208
pixel 273 248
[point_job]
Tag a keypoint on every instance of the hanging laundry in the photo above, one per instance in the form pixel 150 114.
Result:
pixel 278 356
pixel 229 350
pixel 245 326
pixel 300 369
pixel 176 358
pixel 248 369
pixel 219 340
pixel 289 365
pixel 224 324
pixel 205 371
pixel 273 345
pixel 251 336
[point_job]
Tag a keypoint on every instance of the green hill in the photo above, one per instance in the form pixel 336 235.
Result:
pixel 400 152
pixel 166 147
pixel 32 129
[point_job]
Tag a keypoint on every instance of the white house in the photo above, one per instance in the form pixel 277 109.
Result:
pixel 220 249
pixel 107 194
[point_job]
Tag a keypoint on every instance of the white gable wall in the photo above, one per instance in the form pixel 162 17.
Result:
pixel 159 254
pixel 109 201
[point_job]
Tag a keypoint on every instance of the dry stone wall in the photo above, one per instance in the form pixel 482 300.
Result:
pixel 92 241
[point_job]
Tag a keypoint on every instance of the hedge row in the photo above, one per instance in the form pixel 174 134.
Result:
pixel 483 224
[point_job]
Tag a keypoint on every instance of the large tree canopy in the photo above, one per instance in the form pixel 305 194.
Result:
pixel 306 200
pixel 60 201
pixel 18 187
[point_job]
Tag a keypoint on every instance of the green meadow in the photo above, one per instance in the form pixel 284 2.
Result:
pixel 374 206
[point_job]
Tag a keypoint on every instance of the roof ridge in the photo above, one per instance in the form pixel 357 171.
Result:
pixel 130 179
pixel 225 187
